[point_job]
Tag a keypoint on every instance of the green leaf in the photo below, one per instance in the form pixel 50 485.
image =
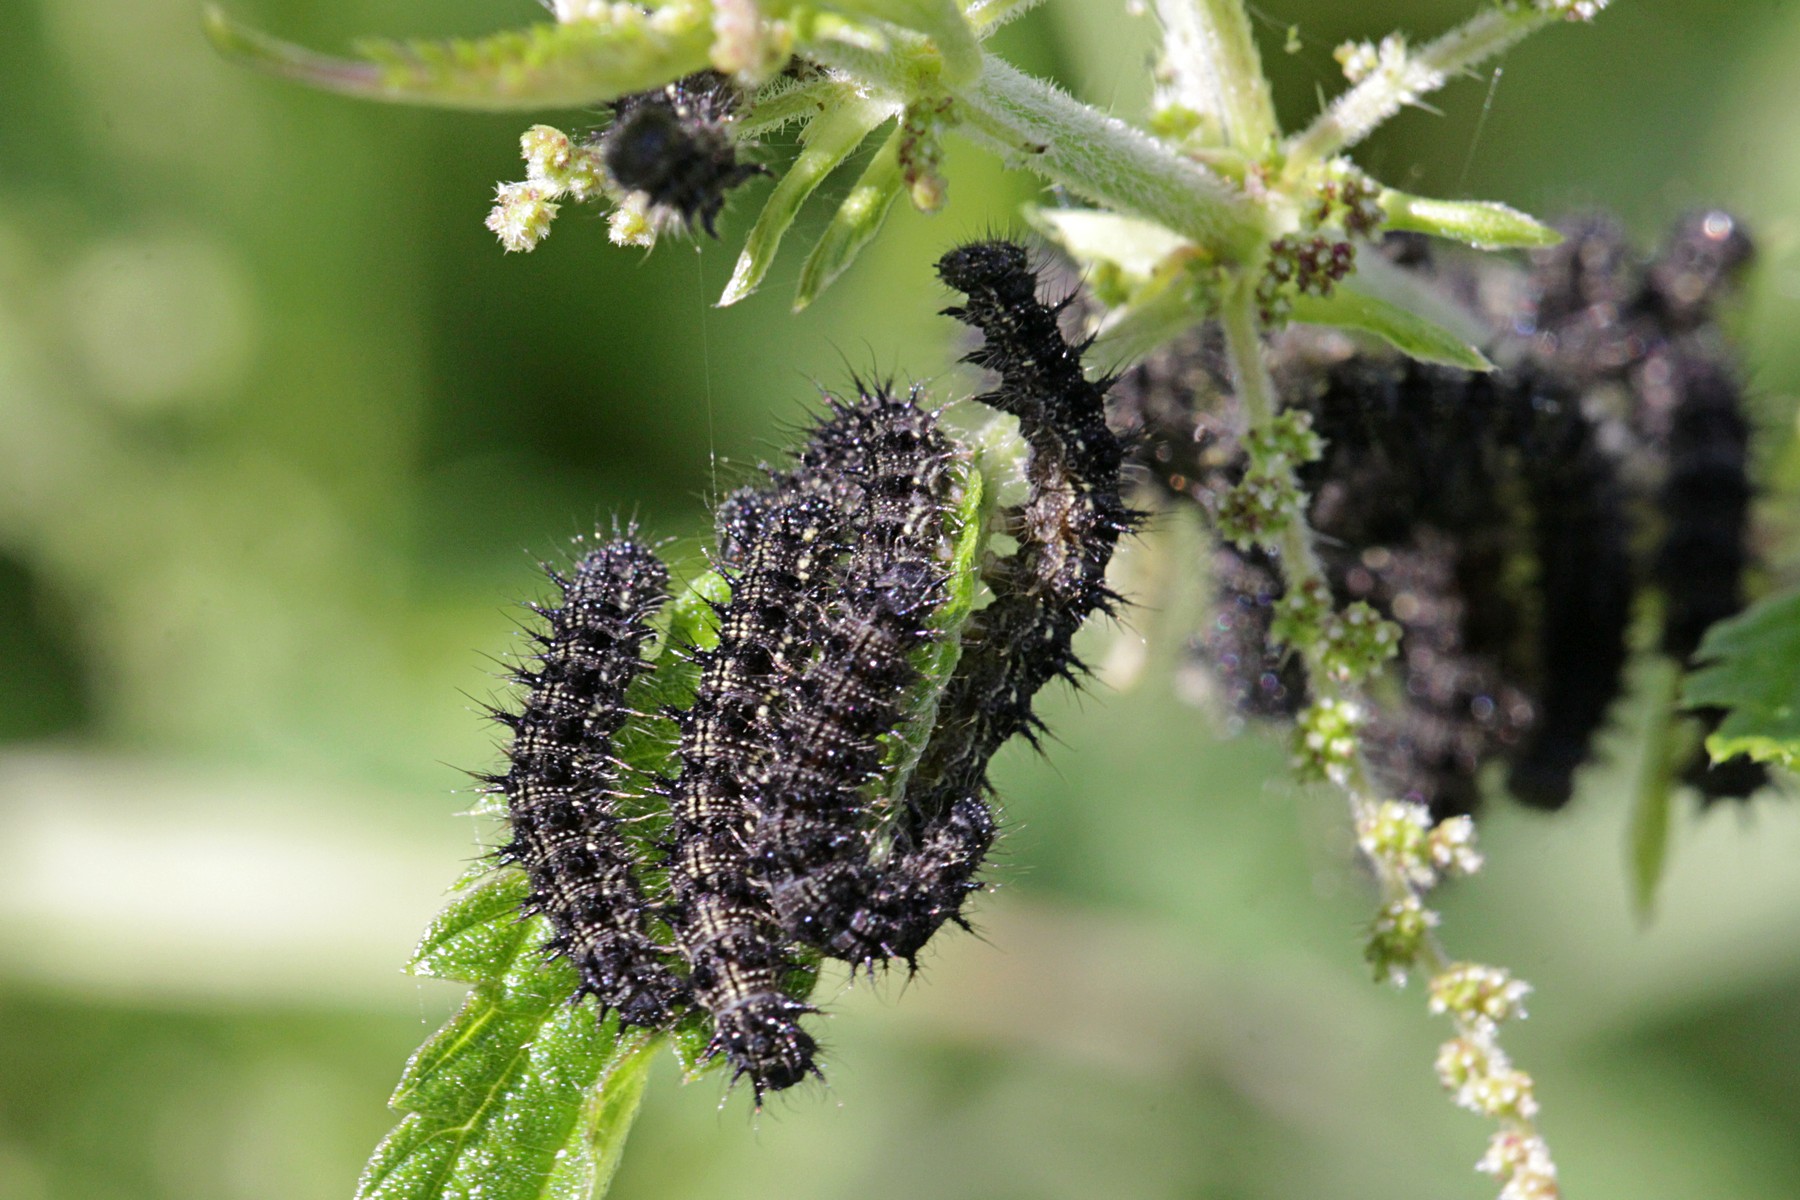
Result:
pixel 827 142
pixel 478 933
pixel 1484 224
pixel 1753 671
pixel 859 218
pixel 1407 331
pixel 616 1108
pixel 501 1101
pixel 571 65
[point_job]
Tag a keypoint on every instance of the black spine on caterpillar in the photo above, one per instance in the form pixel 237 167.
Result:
pixel 566 830
pixel 723 921
pixel 889 466
pixel 1070 523
pixel 674 145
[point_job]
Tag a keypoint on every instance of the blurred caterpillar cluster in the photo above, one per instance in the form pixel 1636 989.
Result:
pixel 1509 522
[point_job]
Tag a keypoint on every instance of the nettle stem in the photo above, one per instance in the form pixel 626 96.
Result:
pixel 1215 69
pixel 1036 126
pixel 1397 77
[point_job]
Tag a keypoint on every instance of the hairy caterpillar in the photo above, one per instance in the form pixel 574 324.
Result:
pixel 674 145
pixel 559 788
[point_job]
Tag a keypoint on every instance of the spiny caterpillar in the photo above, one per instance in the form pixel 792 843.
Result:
pixel 561 787
pixel 674 145
pixel 1505 521
pixel 784 834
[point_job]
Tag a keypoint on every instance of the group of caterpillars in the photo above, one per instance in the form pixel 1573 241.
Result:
pixel 772 848
pixel 1507 521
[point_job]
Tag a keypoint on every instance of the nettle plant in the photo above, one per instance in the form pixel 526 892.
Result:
pixel 712 789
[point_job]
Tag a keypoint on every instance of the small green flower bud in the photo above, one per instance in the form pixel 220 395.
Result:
pixel 630 224
pixel 1348 200
pixel 1452 847
pixel 1325 739
pixel 521 216
pixel 1354 643
pixel 1479 995
pixel 1483 1079
pixel 558 167
pixel 1523 1161
pixel 1260 508
pixel 1396 832
pixel 1362 59
pixel 1396 938
pixel 1288 440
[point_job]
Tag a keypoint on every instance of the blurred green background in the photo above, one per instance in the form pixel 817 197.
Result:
pixel 282 434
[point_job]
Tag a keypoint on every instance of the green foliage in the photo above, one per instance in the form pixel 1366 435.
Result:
pixel 1349 307
pixel 524 1095
pixel 1220 217
pixel 827 142
pixel 1752 670
pixel 1483 224
pixel 501 1101
pixel 855 224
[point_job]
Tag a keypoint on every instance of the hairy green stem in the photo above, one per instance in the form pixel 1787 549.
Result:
pixel 1356 114
pixel 1100 157
pixel 1034 125
pixel 940 20
pixel 1209 50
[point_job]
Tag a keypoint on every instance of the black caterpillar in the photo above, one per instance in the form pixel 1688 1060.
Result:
pixel 724 921
pixel 890 465
pixel 560 788
pixel 674 145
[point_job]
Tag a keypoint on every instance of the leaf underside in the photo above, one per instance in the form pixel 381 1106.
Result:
pixel 1752 670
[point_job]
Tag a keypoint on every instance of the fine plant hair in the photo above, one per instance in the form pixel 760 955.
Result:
pixel 1439 494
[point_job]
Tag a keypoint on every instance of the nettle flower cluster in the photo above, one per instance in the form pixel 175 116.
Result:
pixel 1203 231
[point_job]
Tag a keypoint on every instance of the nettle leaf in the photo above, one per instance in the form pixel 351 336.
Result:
pixel 501 1101
pixel 1483 224
pixel 858 219
pixel 575 64
pixel 1350 307
pixel 1667 739
pixel 1135 246
pixel 1753 671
